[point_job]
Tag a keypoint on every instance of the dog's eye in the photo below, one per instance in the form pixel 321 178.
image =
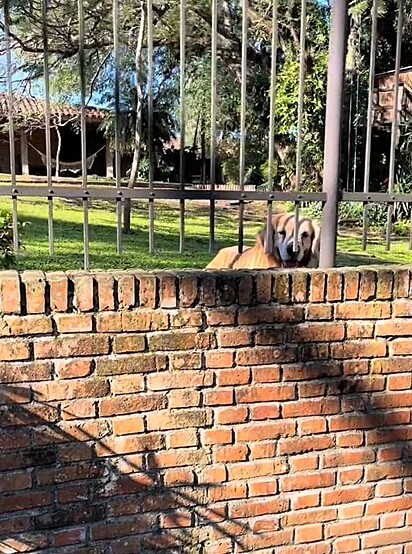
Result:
pixel 282 233
pixel 305 235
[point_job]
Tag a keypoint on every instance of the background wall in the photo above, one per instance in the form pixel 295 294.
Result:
pixel 206 413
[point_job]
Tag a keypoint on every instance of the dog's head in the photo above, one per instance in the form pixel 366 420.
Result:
pixel 281 240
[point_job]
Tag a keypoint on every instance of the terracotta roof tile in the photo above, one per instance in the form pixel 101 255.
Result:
pixel 27 105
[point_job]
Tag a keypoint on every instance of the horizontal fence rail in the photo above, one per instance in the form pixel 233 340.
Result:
pixel 119 189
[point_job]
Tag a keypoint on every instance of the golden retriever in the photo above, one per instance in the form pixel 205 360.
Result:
pixel 280 253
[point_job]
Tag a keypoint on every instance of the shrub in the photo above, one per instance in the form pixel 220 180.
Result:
pixel 7 258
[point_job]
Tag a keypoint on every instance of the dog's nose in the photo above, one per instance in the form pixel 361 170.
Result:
pixel 291 251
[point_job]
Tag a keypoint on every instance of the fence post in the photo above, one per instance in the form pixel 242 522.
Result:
pixel 331 165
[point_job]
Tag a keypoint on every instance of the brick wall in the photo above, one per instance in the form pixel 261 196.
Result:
pixel 205 413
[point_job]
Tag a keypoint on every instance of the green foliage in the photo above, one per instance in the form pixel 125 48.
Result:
pixel 7 259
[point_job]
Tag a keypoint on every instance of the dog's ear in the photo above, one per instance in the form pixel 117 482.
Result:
pixel 264 241
pixel 316 240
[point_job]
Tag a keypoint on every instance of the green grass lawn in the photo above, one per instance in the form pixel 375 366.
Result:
pixel 68 228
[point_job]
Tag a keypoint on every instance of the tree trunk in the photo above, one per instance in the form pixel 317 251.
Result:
pixel 138 124
pixel 59 147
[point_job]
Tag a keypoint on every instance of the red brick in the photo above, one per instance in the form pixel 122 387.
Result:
pixel 394 327
pixel 35 289
pixel 363 310
pixel 281 287
pixel 391 521
pixel 349 457
pixel 178 458
pixel 24 501
pixel 218 397
pixel 262 355
pixel 182 438
pixel 389 454
pixel 27 325
pixel 79 409
pixel 347 544
pixel 351 285
pixel 299 287
pixel 234 453
pixel 127 384
pixel 71 369
pixel 303 501
pixel 385 537
pixel 185 360
pixel 63 347
pixel 234 337
pixel 311 407
pixel 264 393
pixel 359 330
pixel 377 507
pixel 128 425
pixel 384 285
pixel 144 320
pixel 304 463
pixel 353 527
pixel 24 372
pixel 311 389
pixel 302 445
pixel 360 349
pixel 264 411
pixel 317 287
pixel 228 416
pixel 218 317
pixel 13 482
pixel 187 318
pixel 309 533
pixel 128 404
pixel 188 288
pixel 334 287
pixel 367 289
pixel 184 398
pixel 74 323
pixel 399 382
pixel 126 365
pixel 264 431
pixel 217 436
pixel 228 491
pixel 350 476
pixel 212 474
pixel 348 495
pixel 218 360
pixel 269 314
pixel 10 292
pixel 109 322
pixel 264 287
pixel 176 419
pixel 230 377
pixel 147 291
pixel 307 481
pixel 392 365
pixel 389 488
pixel 262 450
pixel 178 477
pixel 254 508
pixel 128 344
pixel 269 374
pixel 171 380
pixel 176 520
pixel 14 350
pixel 259 468
pixel 83 292
pixel 267 487
pixel 319 312
pixel 126 291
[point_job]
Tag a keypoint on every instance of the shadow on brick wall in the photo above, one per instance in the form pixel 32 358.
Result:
pixel 64 489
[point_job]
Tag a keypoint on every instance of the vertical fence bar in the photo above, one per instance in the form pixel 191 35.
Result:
pixel 45 7
pixel 150 79
pixel 213 115
pixel 395 122
pixel 182 120
pixel 369 123
pixel 301 98
pixel 82 76
pixel 116 48
pixel 336 68
pixel 272 100
pixel 243 102
pixel 11 125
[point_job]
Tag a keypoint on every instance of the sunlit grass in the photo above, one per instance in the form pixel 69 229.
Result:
pixel 68 231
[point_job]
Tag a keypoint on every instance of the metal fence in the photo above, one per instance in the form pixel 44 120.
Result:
pixel 330 195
